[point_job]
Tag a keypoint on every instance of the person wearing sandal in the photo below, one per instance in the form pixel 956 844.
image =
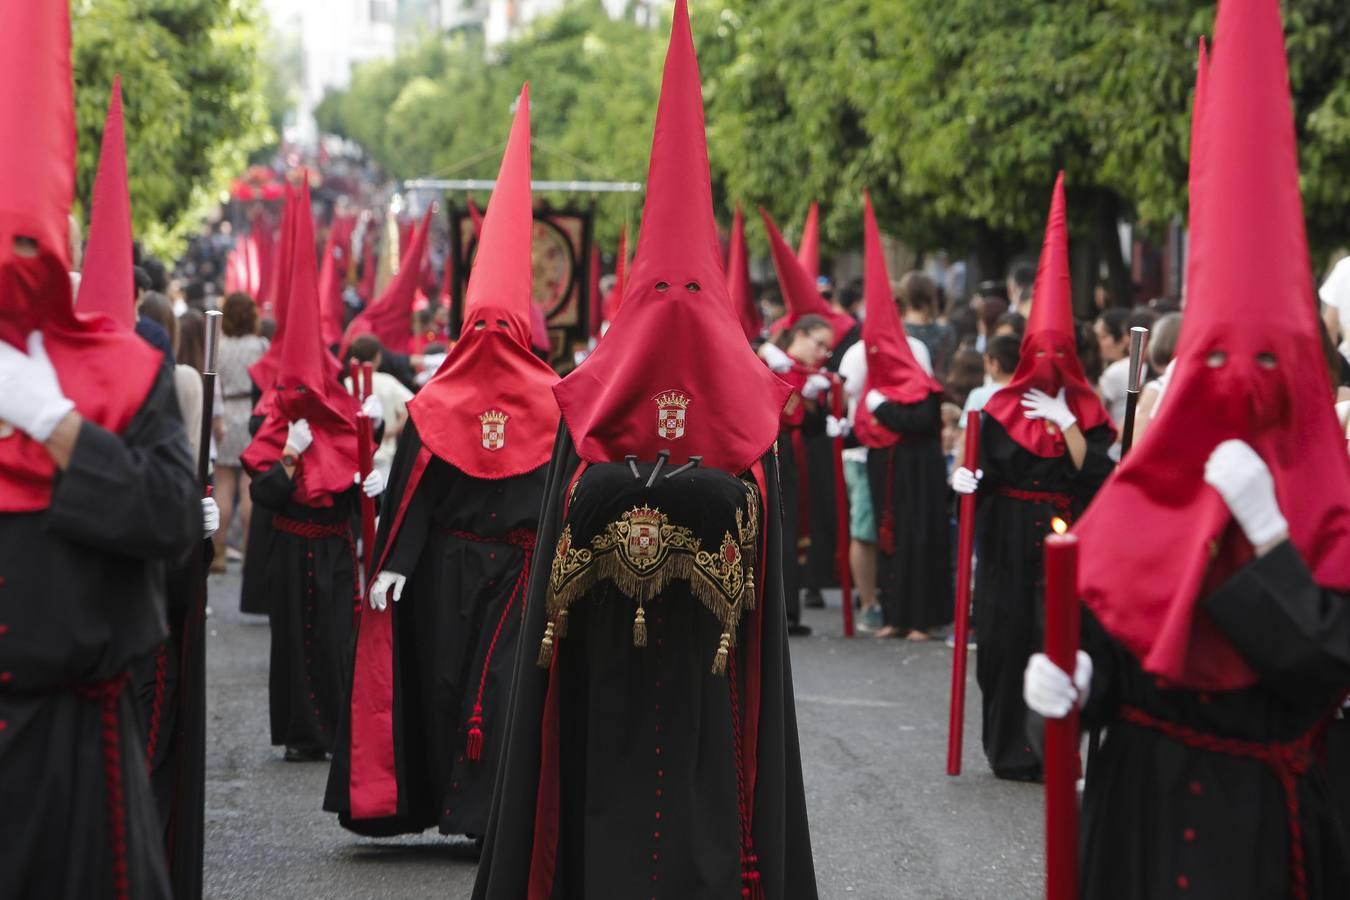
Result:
pixel 901 425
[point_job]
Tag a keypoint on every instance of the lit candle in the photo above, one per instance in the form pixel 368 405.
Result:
pixel 1061 735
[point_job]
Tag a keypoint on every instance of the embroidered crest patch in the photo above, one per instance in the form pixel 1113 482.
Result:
pixel 670 410
pixel 494 429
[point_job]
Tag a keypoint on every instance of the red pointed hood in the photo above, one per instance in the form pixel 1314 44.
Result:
pixel 106 371
pixel 649 385
pixel 264 369
pixel 1251 300
pixel 891 366
pixel 808 252
pixel 799 288
pixel 390 317
pixel 490 410
pixel 332 276
pixel 597 307
pixel 306 386
pixel 1049 348
pixel 108 285
pixel 476 215
pixel 1197 133
pixel 738 280
pixel 614 299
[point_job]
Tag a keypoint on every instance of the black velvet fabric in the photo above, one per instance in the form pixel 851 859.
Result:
pixel 312 596
pixel 1008 579
pixel 459 590
pixel 82 600
pixel 910 478
pixel 647 772
pixel 1164 819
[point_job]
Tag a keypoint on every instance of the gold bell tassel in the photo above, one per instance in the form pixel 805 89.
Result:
pixel 719 666
pixel 546 648
pixel 640 628
pixel 561 631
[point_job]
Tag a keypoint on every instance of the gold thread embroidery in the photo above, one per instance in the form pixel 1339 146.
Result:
pixel 643 552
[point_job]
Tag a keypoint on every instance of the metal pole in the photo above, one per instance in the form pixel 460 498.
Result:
pixel 1138 343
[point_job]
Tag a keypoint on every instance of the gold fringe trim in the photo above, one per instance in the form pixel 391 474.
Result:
pixel 641 554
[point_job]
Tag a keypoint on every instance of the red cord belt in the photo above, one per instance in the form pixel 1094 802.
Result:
pixel 315 530
pixel 107 694
pixel 523 539
pixel 1286 760
pixel 1063 503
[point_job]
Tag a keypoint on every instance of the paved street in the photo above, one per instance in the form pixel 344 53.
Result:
pixel 886 822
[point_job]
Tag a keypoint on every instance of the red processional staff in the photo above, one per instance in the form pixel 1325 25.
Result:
pixel 965 553
pixel 839 410
pixel 362 375
pixel 1061 735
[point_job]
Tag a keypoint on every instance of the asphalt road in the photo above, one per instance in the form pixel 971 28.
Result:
pixel 886 821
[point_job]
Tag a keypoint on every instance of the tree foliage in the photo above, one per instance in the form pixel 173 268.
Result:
pixel 439 110
pixel 191 79
pixel 955 113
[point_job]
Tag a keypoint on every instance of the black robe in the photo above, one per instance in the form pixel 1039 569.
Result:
pixel 910 479
pixel 170 692
pixel 641 747
pixel 81 599
pixel 313 596
pixel 797 477
pixel 1008 578
pixel 253 592
pixel 1162 818
pixel 455 632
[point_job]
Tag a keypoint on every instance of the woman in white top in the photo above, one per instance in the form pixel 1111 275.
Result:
pixel 240 347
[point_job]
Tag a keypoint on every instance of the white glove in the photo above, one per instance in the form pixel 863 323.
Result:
pixel 379 591
pixel 965 481
pixel 373 407
pixel 815 386
pixel 373 486
pixel 837 427
pixel 1243 480
pixel 30 394
pixel 1048 690
pixel 298 436
pixel 210 517
pixel 1040 405
pixel 874 399
pixel 777 360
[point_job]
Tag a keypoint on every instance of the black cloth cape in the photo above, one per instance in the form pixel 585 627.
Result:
pixel 313 594
pixel 1158 813
pixel 1009 613
pixel 82 600
pixel 641 755
pixel 459 613
pixel 170 692
pixel 910 479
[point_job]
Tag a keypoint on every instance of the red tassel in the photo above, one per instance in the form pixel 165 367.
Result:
pixel 751 886
pixel 474 749
pixel 886 533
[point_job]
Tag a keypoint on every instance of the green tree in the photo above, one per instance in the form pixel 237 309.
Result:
pixel 191 76
pixel 955 113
